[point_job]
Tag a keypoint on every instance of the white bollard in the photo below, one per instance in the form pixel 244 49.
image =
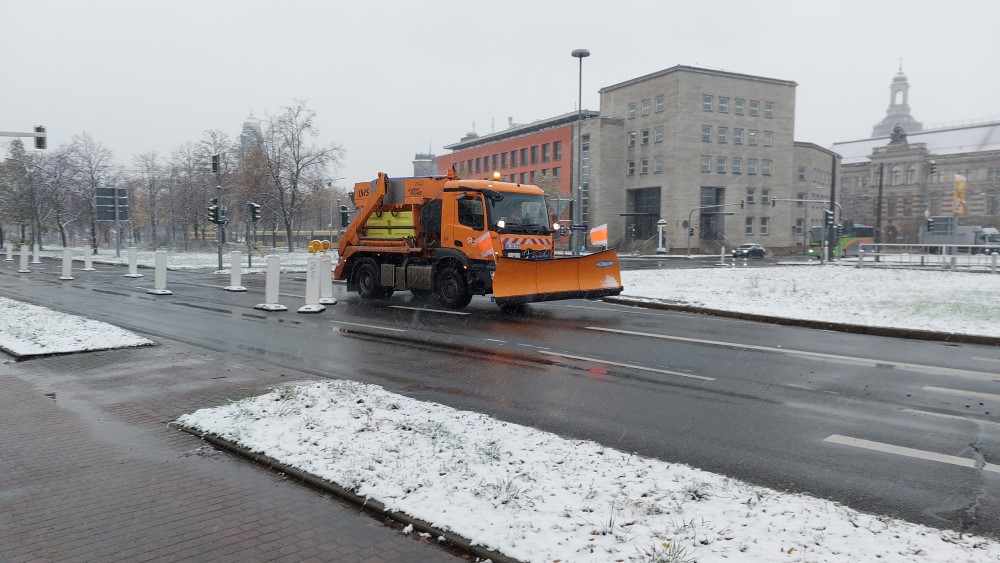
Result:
pixel 133 263
pixel 993 262
pixel 160 275
pixel 312 287
pixel 38 252
pixel 10 252
pixel 235 270
pixel 861 258
pixel 326 280
pixel 271 285
pixel 67 264
pixel 24 259
pixel 88 260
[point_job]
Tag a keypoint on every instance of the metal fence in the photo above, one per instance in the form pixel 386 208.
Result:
pixel 928 257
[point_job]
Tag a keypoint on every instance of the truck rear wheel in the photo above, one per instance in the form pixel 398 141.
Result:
pixel 367 279
pixel 451 289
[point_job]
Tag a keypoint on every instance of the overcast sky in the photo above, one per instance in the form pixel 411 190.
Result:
pixel 390 79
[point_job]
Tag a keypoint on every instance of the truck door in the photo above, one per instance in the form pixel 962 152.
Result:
pixel 467 223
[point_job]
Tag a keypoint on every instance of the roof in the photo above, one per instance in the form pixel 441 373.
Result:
pixel 980 137
pixel 683 68
pixel 518 130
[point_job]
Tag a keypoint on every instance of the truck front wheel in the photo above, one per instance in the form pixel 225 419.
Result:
pixel 367 279
pixel 451 289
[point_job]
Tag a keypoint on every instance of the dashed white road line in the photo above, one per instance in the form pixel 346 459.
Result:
pixel 631 366
pixel 445 311
pixel 962 393
pixel 952 417
pixel 792 352
pixel 370 326
pixel 909 452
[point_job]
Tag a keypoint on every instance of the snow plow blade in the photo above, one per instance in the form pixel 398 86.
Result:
pixel 520 280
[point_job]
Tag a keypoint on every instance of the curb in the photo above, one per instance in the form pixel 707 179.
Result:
pixel 912 334
pixel 372 507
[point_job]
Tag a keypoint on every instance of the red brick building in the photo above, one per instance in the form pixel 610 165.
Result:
pixel 526 154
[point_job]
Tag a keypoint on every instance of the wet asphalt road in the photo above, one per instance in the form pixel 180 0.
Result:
pixel 794 409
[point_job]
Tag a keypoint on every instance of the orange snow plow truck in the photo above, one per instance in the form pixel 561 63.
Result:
pixel 457 238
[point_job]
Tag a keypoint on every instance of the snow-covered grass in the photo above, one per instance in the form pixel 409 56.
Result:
pixel 28 330
pixel 534 496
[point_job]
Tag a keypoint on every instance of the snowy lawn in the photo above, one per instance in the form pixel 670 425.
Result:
pixel 27 330
pixel 534 496
pixel 955 302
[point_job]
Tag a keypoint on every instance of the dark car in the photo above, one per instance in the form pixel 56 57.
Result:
pixel 749 250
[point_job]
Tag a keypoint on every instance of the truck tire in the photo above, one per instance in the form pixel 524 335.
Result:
pixel 451 289
pixel 366 275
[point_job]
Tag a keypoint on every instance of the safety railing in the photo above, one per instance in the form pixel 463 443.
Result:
pixel 929 257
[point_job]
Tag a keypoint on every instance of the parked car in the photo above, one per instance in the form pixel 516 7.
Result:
pixel 749 250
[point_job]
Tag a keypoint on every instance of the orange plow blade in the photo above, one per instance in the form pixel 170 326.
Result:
pixel 519 280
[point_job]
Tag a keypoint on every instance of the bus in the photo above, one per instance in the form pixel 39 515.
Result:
pixel 852 236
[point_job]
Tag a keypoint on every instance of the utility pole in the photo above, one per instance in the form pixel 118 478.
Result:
pixel 878 205
pixel 832 229
pixel 219 226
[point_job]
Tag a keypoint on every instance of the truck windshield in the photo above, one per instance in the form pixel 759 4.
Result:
pixel 521 213
pixel 993 238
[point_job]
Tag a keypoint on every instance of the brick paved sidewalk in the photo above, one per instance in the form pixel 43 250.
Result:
pixel 90 471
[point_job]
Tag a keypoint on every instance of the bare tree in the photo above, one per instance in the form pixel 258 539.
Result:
pixel 93 168
pixel 152 184
pixel 294 163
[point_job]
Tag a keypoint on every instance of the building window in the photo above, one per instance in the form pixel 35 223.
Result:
pixel 752 137
pixel 911 174
pixel 644 137
pixel 799 227
pixel 644 166
pixel 706 133
pixel 513 159
pixel 630 139
pixel 524 158
pixel 751 196
pixel 657 164
pixel 503 160
pixel 557 172
pixel 907 205
pixel 992 202
pixel 706 103
pixel 660 102
pixel 723 104
pixel 706 163
pixel 630 168
pixel 496 162
pixel 768 109
pixel 751 166
pixel 754 108
pixel 765 198
pixel 737 135
pixel 765 167
pixel 738 109
pixel 720 165
pixel 801 196
pixel 892 206
pixel 768 138
pixel 524 177
pixel 658 134
pixel 894 176
pixel 557 151
pixel 631 110
pixel 764 224
pixel 534 154
pixel 645 107
pixel 545 153
pixel 723 135
pixel 748 230
pixel 479 165
pixel 737 165
pixel 513 178
pixel 802 173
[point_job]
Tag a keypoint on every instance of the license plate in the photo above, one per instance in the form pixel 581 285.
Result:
pixel 512 246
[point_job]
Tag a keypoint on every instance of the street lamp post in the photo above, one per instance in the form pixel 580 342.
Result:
pixel 577 208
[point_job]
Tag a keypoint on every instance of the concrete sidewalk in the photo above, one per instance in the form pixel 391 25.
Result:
pixel 91 471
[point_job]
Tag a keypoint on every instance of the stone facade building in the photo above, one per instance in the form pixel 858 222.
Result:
pixel 917 171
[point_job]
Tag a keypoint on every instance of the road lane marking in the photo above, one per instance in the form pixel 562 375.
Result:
pixel 631 366
pixel 789 351
pixel 429 310
pixel 370 326
pixel 962 393
pixel 952 417
pixel 909 452
pixel 986 359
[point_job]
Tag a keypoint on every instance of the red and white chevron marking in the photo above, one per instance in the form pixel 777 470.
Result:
pixel 520 242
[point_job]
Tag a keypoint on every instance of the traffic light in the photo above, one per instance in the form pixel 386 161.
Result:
pixel 828 217
pixel 215 163
pixel 344 218
pixel 253 211
pixel 691 232
pixel 933 167
pixel 216 214
pixel 930 225
pixel 743 202
pixel 40 141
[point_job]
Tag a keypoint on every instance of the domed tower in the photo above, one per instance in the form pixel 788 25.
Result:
pixel 899 109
